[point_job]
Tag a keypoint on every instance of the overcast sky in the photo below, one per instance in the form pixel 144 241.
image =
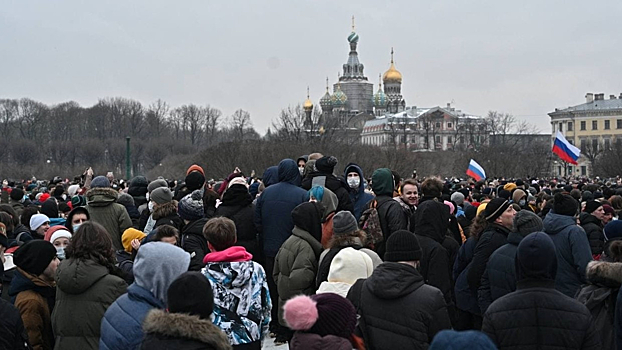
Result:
pixel 525 59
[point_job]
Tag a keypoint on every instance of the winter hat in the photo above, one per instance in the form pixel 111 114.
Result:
pixel 157 183
pixel 161 195
pixel 326 164
pixel 191 206
pixel 344 222
pixel 613 230
pixel 349 265
pixel 587 196
pixel 64 208
pixel 453 340
pixel 526 222
pixel 564 204
pixel 457 197
pixel 195 180
pixel 519 182
pixel 237 181
pixel 126 200
pixel 509 187
pixel 73 190
pixel 471 211
pixel 536 258
pixel 129 235
pixel 451 206
pixel 50 208
pixel 17 194
pixel 58 191
pixel 308 217
pixel 195 167
pixel 138 186
pixel 61 233
pixel 495 208
pixel 48 234
pixel 487 191
pixel 402 245
pixel 37 220
pixel 481 208
pixel 517 195
pixel 608 209
pixel 505 194
pixel 191 293
pixel 43 197
pixel 382 182
pixel 592 206
pixel 34 256
pixel 322 314
pixel 100 182
pixel 78 201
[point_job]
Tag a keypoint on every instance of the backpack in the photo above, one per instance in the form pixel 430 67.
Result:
pixel 370 223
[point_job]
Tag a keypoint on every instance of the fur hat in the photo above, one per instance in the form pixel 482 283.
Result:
pixel 100 182
pixel 34 256
pixel 191 293
pixel 402 245
pixel 344 222
pixel 322 314
pixel 191 206
pixel 161 195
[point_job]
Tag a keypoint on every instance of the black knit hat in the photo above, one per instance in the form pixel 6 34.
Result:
pixel 564 204
pixel 34 256
pixel 195 180
pixel 402 245
pixel 326 164
pixel 495 208
pixel 536 258
pixel 591 206
pixel 17 194
pixel 191 293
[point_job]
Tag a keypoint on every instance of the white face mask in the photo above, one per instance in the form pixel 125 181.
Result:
pixel 521 202
pixel 354 182
pixel 75 227
pixel 60 253
pixel 301 170
pixel 150 205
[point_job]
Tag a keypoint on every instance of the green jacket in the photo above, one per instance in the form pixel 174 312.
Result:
pixel 295 266
pixel 85 289
pixel 103 209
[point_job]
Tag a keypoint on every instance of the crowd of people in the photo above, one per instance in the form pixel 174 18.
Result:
pixel 311 258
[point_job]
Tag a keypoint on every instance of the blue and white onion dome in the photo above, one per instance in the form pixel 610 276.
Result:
pixel 353 37
pixel 339 98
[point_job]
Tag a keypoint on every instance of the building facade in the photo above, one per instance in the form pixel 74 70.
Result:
pixel 593 127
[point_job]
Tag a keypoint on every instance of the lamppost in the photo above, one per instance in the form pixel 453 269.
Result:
pixel 128 163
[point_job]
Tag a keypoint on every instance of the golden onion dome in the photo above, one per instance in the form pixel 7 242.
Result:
pixel 392 75
pixel 308 104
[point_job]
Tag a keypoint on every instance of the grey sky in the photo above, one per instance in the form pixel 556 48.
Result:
pixel 526 58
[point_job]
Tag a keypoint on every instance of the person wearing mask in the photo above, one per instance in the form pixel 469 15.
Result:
pixel 60 238
pixel 88 282
pixel 560 321
pixel 323 176
pixel 165 209
pixel 356 182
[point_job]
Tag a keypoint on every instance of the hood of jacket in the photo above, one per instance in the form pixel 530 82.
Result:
pixel 354 167
pixel 514 238
pixel 340 288
pixel 306 236
pixel 270 176
pixel 165 210
pixel 157 265
pixel 177 325
pixel 23 281
pixel 101 197
pixel 231 254
pixel 308 217
pixel 74 276
pixel 604 274
pixel 555 223
pixel 288 172
pixel 329 202
pixel 232 275
pixel 587 218
pixel 432 220
pixel 382 182
pixel 391 280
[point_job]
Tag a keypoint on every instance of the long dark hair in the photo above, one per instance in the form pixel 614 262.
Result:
pixel 91 242
pixel 479 225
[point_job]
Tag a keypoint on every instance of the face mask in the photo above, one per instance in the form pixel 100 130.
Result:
pixel 150 205
pixel 75 227
pixel 521 202
pixel 60 253
pixel 354 182
pixel 301 170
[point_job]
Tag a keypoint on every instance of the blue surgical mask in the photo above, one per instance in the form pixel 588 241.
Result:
pixel 60 253
pixel 521 202
pixel 75 227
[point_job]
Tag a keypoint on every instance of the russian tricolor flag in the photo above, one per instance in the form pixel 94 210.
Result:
pixel 565 151
pixel 476 171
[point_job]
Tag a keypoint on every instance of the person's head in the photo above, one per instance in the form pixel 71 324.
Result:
pixel 326 164
pixel 526 222
pixel 39 223
pixel 609 213
pixel 450 339
pixel 190 208
pixel 564 204
pixel 322 314
pixel 595 208
pixel 302 161
pixel 316 193
pixel 220 233
pixel 7 220
pixel 61 239
pixel 308 217
pixel 344 224
pixel 166 234
pixel 128 236
pixel 616 202
pixel 100 182
pixel 76 217
pixel 161 196
pixel 410 192
pixel 37 257
pixel 354 179
pixel 92 242
pixel 458 198
pixel 195 180
pixel 382 182
pixel 7 208
pixel 27 214
pixel 500 212
pixel 349 265
pixel 210 198
pixel 403 247
pixel 191 293
pixel 519 197
pixel 536 258
pixel 157 265
pixel 432 187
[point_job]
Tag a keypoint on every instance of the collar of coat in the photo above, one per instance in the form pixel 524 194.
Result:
pixel 176 325
pixel 604 273
pixel 306 236
pixel 104 194
pixel 535 283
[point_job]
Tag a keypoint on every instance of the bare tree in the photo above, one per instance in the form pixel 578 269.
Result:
pixel 8 116
pixel 156 116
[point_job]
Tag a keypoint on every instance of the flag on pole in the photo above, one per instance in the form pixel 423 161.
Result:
pixel 565 151
pixel 476 171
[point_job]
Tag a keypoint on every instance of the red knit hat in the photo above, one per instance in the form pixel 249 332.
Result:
pixel 195 167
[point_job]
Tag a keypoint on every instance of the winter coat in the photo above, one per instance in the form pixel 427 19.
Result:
pixel 166 214
pixel 358 196
pixel 599 296
pixel 572 249
pixel 242 302
pixel 85 289
pixel 125 262
pixel 392 218
pixel 121 325
pixel 499 278
pixel 193 241
pixel 273 213
pixel 295 266
pixel 132 211
pixel 103 208
pixel 34 298
pixel 17 206
pixel 165 331
pixel 311 341
pixel 242 216
pixel 536 316
pixel 493 237
pixel 593 228
pixel 338 186
pixel 466 300
pixel 397 309
pixel 13 335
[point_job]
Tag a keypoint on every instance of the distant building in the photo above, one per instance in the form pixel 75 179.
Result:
pixel 593 126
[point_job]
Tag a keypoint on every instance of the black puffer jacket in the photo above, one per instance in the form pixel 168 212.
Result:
pixel 397 309
pixel 193 241
pixel 238 206
pixel 594 229
pixel 499 278
pixel 392 218
pixel 13 335
pixel 493 237
pixel 536 316
pixel 333 183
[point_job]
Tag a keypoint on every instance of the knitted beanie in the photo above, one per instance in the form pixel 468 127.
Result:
pixel 128 236
pixel 78 201
pixel 191 206
pixel 17 194
pixel 157 183
pixel 62 233
pixel 457 197
pixel 161 195
pixel 195 167
pixel 344 222
pixel 564 204
pixel 536 258
pixel 37 220
pixel 591 206
pixel 191 293
pixel 326 164
pixel 322 314
pixel 100 182
pixel 194 181
pixel 34 256
pixel 613 230
pixel 495 208
pixel 526 222
pixel 349 265
pixel 125 199
pixel 402 245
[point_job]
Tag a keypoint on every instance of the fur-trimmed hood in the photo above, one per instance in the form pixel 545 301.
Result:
pixel 101 196
pixel 176 325
pixel 604 273
pixel 165 210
